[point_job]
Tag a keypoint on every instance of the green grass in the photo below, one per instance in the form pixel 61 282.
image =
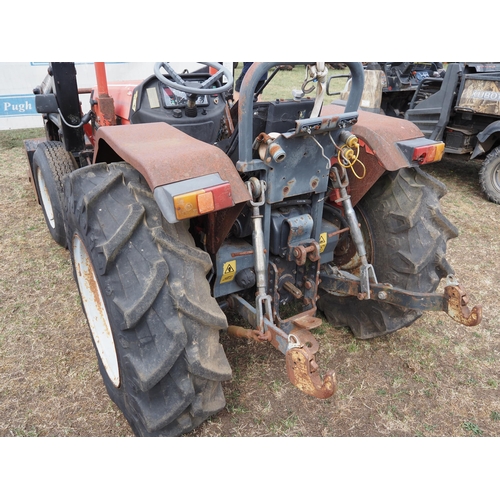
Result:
pixel 284 82
pixel 18 432
pixel 276 386
pixel 10 139
pixel 472 427
pixel 353 346
pixel 285 426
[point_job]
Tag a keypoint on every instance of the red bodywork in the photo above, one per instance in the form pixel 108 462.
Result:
pixel 112 100
pixel 149 149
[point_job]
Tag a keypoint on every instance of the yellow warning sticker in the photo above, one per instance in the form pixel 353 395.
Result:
pixel 323 239
pixel 228 271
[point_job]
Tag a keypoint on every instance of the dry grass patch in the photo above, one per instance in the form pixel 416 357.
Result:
pixel 434 378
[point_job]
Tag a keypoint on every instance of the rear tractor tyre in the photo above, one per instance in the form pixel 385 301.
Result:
pixel 154 324
pixel 51 162
pixel 489 176
pixel 407 235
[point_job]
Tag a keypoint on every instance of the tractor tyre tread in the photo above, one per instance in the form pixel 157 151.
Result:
pixel 153 281
pixel 55 163
pixel 409 234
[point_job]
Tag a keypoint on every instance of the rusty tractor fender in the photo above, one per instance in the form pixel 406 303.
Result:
pixel 378 135
pixel 164 155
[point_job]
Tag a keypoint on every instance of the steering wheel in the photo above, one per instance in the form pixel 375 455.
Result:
pixel 204 89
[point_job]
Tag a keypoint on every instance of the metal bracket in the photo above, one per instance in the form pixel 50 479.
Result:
pixel 456 301
pixel 302 368
pixel 366 271
pixel 453 302
pixel 295 341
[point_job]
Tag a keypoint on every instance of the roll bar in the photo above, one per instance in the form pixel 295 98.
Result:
pixel 249 85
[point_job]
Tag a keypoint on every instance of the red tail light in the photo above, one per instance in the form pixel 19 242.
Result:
pixel 422 150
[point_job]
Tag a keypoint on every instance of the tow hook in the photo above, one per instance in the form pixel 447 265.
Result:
pixel 302 368
pixel 457 308
pixel 297 343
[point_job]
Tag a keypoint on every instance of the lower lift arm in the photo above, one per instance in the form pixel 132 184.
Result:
pixel 454 300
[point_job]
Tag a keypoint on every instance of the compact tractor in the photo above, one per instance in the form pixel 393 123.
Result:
pixel 180 205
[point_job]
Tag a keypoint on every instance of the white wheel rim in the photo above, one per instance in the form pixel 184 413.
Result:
pixel 44 193
pixel 95 310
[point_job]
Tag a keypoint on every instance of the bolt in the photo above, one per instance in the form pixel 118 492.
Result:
pixel 382 295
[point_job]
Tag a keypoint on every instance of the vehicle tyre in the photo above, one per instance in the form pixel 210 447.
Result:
pixel 154 324
pixel 489 176
pixel 407 234
pixel 51 162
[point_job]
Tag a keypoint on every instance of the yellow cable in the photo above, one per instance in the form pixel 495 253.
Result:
pixel 350 158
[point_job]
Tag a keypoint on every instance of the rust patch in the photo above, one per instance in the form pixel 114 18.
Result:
pixel 247 333
pixel 457 307
pixel 302 368
pixel 105 111
pixel 163 154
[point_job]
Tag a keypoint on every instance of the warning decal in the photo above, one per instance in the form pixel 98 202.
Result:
pixel 228 271
pixel 323 239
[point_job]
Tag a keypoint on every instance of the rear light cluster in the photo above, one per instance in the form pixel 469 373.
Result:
pixel 193 197
pixel 422 150
pixel 428 154
pixel 202 201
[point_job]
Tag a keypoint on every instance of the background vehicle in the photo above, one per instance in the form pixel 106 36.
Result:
pixel 178 206
pixel 460 108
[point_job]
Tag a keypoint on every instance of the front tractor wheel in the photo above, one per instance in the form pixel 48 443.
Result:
pixel 51 162
pixel 407 236
pixel 489 176
pixel 142 281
